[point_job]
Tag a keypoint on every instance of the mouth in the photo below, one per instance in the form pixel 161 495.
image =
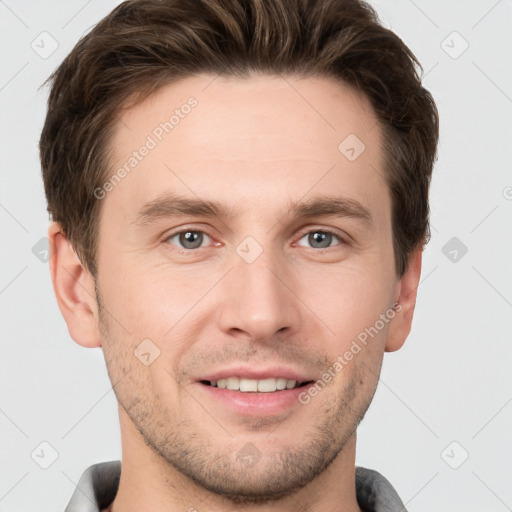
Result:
pixel 244 385
pixel 256 391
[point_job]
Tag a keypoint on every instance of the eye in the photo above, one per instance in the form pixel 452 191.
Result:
pixel 188 239
pixel 320 239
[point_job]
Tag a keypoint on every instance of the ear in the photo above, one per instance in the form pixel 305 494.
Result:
pixel 74 289
pixel 400 326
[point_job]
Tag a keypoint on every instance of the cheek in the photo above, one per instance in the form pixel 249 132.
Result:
pixel 347 300
pixel 138 365
pixel 150 301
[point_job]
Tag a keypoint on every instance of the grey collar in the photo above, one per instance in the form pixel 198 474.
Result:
pixel 98 486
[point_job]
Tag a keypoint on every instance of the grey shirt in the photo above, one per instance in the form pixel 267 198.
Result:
pixel 98 485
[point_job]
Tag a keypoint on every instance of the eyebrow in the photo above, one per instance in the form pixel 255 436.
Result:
pixel 173 205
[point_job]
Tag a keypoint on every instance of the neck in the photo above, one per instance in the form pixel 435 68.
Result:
pixel 149 483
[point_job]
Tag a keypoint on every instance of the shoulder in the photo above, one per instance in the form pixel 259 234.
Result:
pixel 96 488
pixel 375 493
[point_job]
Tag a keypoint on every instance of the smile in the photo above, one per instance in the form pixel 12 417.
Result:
pixel 254 386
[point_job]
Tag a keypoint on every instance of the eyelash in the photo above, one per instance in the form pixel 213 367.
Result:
pixel 302 235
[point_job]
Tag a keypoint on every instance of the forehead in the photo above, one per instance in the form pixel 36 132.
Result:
pixel 263 136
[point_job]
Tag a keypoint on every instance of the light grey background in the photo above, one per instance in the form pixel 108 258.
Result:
pixel 451 382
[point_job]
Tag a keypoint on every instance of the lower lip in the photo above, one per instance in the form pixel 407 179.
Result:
pixel 257 404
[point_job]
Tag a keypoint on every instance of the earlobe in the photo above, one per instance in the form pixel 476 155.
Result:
pixel 400 326
pixel 74 289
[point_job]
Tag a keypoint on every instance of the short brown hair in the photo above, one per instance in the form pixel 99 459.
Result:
pixel 145 44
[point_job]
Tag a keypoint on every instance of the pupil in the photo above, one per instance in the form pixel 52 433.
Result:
pixel 321 238
pixel 191 239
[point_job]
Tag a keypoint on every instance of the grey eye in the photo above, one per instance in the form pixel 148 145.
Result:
pixel 319 239
pixel 189 239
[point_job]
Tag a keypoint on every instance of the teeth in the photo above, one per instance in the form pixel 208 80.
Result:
pixel 267 385
pixel 247 385
pixel 281 384
pixel 253 385
pixel 233 383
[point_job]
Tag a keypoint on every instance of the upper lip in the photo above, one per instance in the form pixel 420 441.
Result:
pixel 248 372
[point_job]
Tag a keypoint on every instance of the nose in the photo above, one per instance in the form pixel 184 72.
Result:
pixel 259 300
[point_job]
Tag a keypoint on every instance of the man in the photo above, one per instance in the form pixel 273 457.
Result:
pixel 239 201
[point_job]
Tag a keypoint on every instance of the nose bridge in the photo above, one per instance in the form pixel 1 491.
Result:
pixel 258 301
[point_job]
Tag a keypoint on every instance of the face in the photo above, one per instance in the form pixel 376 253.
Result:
pixel 251 239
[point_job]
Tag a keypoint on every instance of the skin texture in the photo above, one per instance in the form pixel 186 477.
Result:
pixel 256 145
